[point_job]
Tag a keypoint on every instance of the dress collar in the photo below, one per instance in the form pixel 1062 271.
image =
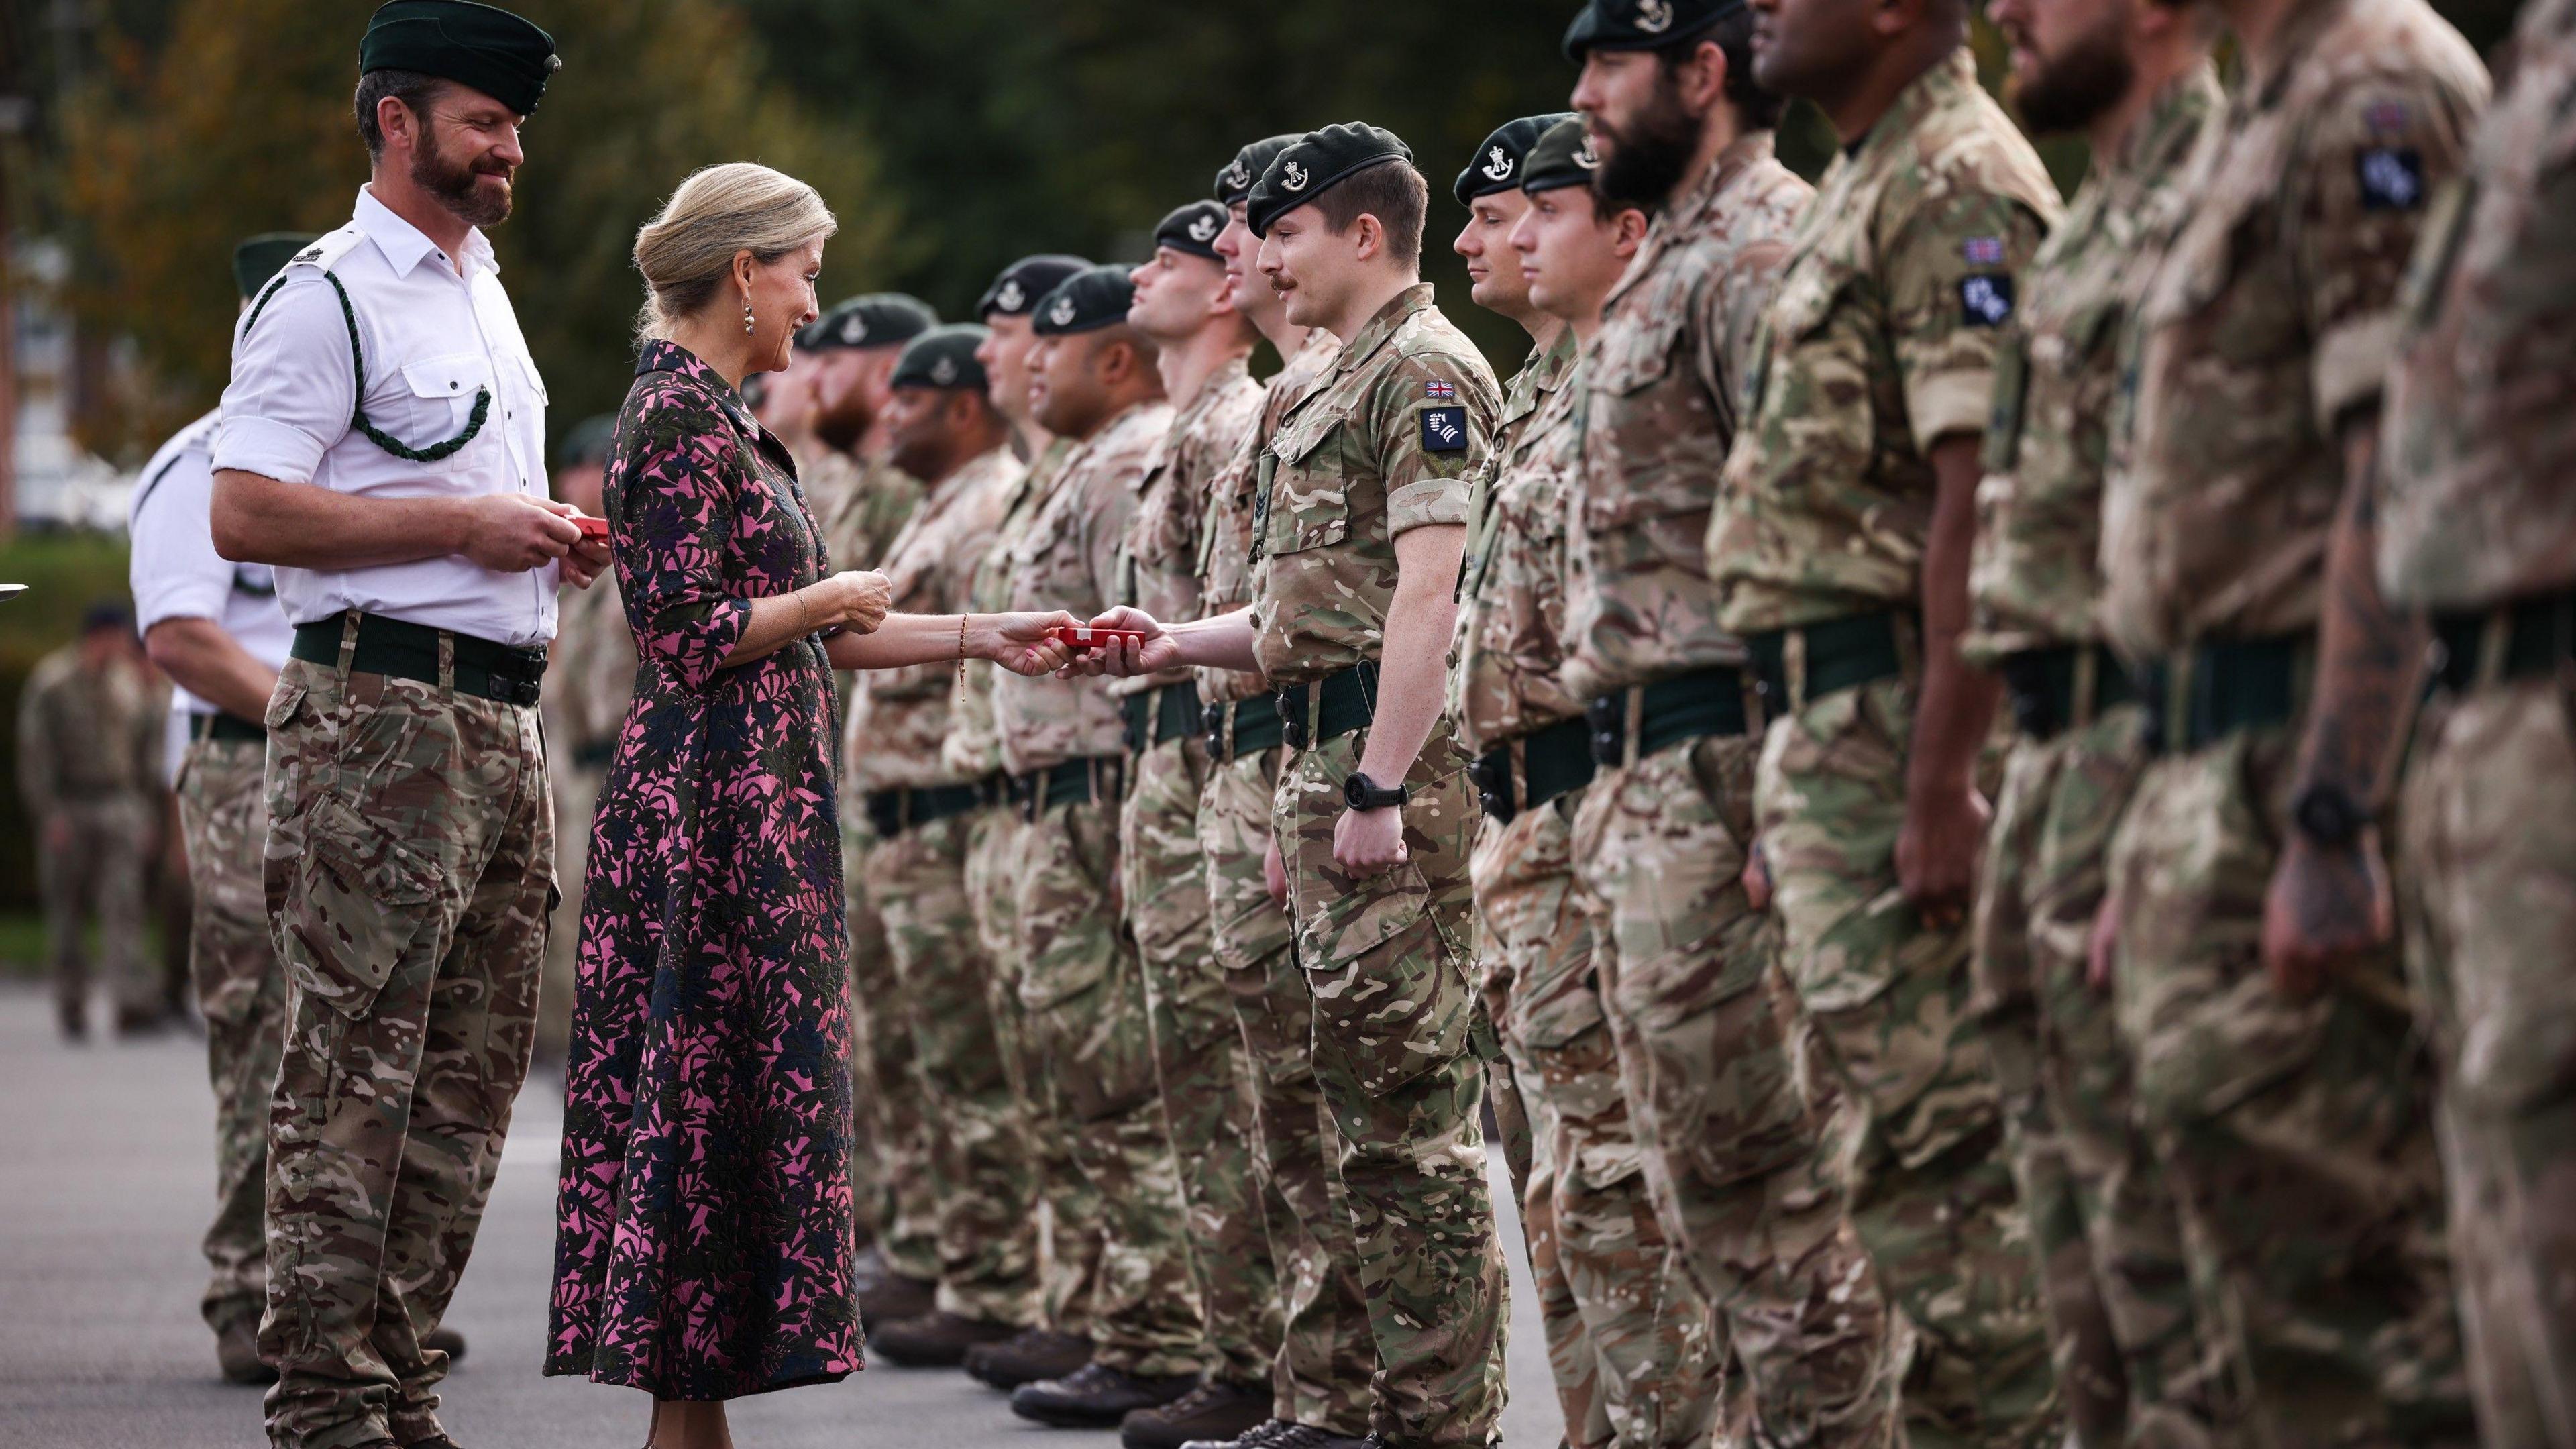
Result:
pixel 404 245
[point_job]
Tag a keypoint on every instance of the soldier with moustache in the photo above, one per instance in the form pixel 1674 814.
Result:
pixel 1321 1373
pixel 940 426
pixel 1202 348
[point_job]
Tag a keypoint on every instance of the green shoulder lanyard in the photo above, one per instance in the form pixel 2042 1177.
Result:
pixel 358 361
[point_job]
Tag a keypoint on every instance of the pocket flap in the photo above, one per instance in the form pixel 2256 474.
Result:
pixel 1307 433
pixel 454 374
pixel 1639 356
pixel 362 895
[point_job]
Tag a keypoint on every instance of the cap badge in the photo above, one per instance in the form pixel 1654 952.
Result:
pixel 1012 297
pixel 1238 174
pixel 1654 16
pixel 1061 314
pixel 1203 229
pixel 944 371
pixel 1500 168
pixel 1586 157
pixel 1294 177
pixel 854 331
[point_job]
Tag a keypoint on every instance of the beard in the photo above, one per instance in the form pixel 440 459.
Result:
pixel 843 423
pixel 454 184
pixel 2071 88
pixel 1650 157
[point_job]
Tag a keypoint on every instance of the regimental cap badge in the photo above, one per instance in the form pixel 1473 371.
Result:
pixel 1294 177
pixel 1061 314
pixel 1203 229
pixel 854 329
pixel 944 372
pixel 1012 297
pixel 1500 167
pixel 1654 17
pixel 1586 157
pixel 1238 175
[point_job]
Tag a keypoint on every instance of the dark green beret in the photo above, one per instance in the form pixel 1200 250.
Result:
pixel 1234 183
pixel 1563 157
pixel 1500 161
pixel 587 442
pixel 1192 229
pixel 879 319
pixel 261 257
pixel 1016 291
pixel 1642 24
pixel 489 49
pixel 1092 298
pixel 1319 161
pixel 943 357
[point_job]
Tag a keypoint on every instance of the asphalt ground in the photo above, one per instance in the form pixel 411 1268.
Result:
pixel 106 1181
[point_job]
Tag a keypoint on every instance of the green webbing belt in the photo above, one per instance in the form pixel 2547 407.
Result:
pixel 358 361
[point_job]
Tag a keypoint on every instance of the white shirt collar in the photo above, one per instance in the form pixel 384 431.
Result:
pixel 404 244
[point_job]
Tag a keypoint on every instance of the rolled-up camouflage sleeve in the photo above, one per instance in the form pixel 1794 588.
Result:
pixel 1952 279
pixel 1435 420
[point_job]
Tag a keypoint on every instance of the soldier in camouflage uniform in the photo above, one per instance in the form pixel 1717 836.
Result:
pixel 1202 349
pixel 1634 1349
pixel 1320 1377
pixel 1358 538
pixel 941 426
pixel 1839 547
pixel 2475 528
pixel 1081 986
pixel 410 857
pixel 589 683
pixel 1688 975
pixel 2111 1274
pixel 1058 1343
pixel 862 501
pixel 89 762
pixel 2278 1068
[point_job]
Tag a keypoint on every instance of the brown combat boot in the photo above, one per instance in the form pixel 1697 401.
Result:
pixel 893 1298
pixel 1029 1355
pixel 1213 1410
pixel 237 1352
pixel 936 1340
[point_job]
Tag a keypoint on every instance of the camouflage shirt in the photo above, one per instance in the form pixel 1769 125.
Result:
pixel 2036 576
pixel 1880 341
pixel 2271 313
pixel 1159 560
pixel 1066 559
pixel 1659 416
pixel 590 670
pixel 1225 541
pixel 1507 655
pixel 899 717
pixel 2481 440
pixel 86 734
pixel 1385 444
pixel 862 504
pixel 974 746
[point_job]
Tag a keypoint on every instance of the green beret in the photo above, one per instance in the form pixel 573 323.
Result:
pixel 1563 157
pixel 1234 183
pixel 489 49
pixel 879 319
pixel 1192 228
pixel 258 258
pixel 1092 298
pixel 1498 163
pixel 1016 292
pixel 1319 161
pixel 1642 24
pixel 943 357
pixel 587 442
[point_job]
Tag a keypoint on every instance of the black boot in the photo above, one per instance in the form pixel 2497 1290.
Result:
pixel 237 1351
pixel 447 1341
pixel 894 1297
pixel 1096 1396
pixel 1028 1356
pixel 936 1340
pixel 1214 1410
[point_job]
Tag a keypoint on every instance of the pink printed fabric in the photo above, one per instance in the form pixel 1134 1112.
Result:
pixel 702 1239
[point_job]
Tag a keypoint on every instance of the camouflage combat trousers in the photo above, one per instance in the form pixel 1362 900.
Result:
pixel 1082 995
pixel 982 1165
pixel 2489 897
pixel 1326 1354
pixel 2296 1136
pixel 223 811
pixel 2130 1365
pixel 895 1198
pixel 1630 1340
pixel 409 872
pixel 1069 1257
pixel 1198 1058
pixel 1387 959
pixel 1930 1190
pixel 1737 1130
pixel 99 869
pixel 576 800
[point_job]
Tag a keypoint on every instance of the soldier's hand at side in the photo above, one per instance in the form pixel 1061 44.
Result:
pixel 1936 852
pixel 1370 842
pixel 1756 877
pixel 2326 906
pixel 58 834
pixel 1274 874
pixel 511 533
pixel 2102 946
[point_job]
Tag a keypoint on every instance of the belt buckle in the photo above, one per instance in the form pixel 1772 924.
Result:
pixel 1606 717
pixel 1492 774
pixel 518 688
pixel 1212 725
pixel 1291 704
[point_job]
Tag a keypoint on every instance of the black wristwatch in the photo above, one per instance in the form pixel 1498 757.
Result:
pixel 2328 815
pixel 1362 793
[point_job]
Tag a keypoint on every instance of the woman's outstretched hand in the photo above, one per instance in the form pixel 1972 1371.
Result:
pixel 1021 644
pixel 855 600
pixel 1155 652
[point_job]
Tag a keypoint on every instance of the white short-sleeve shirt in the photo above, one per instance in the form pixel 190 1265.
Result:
pixel 175 571
pixel 434 331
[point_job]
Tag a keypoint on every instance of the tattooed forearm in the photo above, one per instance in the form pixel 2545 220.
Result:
pixel 2370 659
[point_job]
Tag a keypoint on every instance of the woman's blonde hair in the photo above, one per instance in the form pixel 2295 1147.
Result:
pixel 687 252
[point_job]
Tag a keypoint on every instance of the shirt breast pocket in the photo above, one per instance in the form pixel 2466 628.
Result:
pixel 1310 486
pixel 438 403
pixel 1650 409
